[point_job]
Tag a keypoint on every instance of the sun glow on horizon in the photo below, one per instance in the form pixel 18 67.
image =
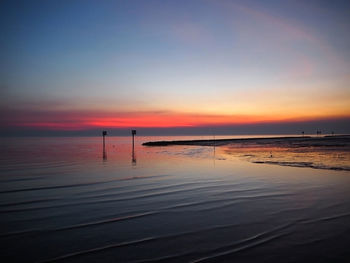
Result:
pixel 82 120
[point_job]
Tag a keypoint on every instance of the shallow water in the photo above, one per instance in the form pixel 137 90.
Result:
pixel 63 199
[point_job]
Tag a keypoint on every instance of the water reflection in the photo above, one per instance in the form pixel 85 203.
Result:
pixel 214 154
pixel 133 155
pixel 104 153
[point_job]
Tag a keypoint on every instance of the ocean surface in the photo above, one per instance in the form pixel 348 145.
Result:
pixel 68 200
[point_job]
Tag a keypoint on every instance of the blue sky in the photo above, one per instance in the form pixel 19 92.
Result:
pixel 267 60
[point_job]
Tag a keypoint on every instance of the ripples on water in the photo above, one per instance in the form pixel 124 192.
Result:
pixel 61 201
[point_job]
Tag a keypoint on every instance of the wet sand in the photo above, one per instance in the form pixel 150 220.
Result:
pixel 326 152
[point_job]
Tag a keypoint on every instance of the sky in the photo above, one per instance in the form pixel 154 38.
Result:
pixel 197 66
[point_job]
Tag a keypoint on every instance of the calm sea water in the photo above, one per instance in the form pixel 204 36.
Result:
pixel 65 200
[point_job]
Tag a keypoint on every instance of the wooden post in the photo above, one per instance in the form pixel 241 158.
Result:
pixel 104 155
pixel 133 133
pixel 104 133
pixel 133 158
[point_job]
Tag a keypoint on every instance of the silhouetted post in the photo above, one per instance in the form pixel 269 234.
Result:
pixel 133 158
pixel 104 133
pixel 303 133
pixel 332 133
pixel 133 133
pixel 104 155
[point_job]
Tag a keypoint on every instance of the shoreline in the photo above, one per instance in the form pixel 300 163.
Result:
pixel 326 140
pixel 326 152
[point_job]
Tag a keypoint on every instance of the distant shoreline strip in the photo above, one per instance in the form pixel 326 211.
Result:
pixel 267 140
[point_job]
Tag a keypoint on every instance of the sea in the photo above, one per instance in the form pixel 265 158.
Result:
pixel 69 199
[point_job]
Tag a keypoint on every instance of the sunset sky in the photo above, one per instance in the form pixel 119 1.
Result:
pixel 80 65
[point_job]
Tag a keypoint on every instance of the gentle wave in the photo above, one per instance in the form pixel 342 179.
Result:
pixel 93 250
pixel 143 240
pixel 247 243
pixel 78 185
pixel 137 197
pixel 326 218
pixel 51 187
pixel 221 203
pixel 237 246
pixel 38 201
pixel 152 189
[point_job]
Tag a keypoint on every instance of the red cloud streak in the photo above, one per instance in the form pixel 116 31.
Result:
pixel 81 120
